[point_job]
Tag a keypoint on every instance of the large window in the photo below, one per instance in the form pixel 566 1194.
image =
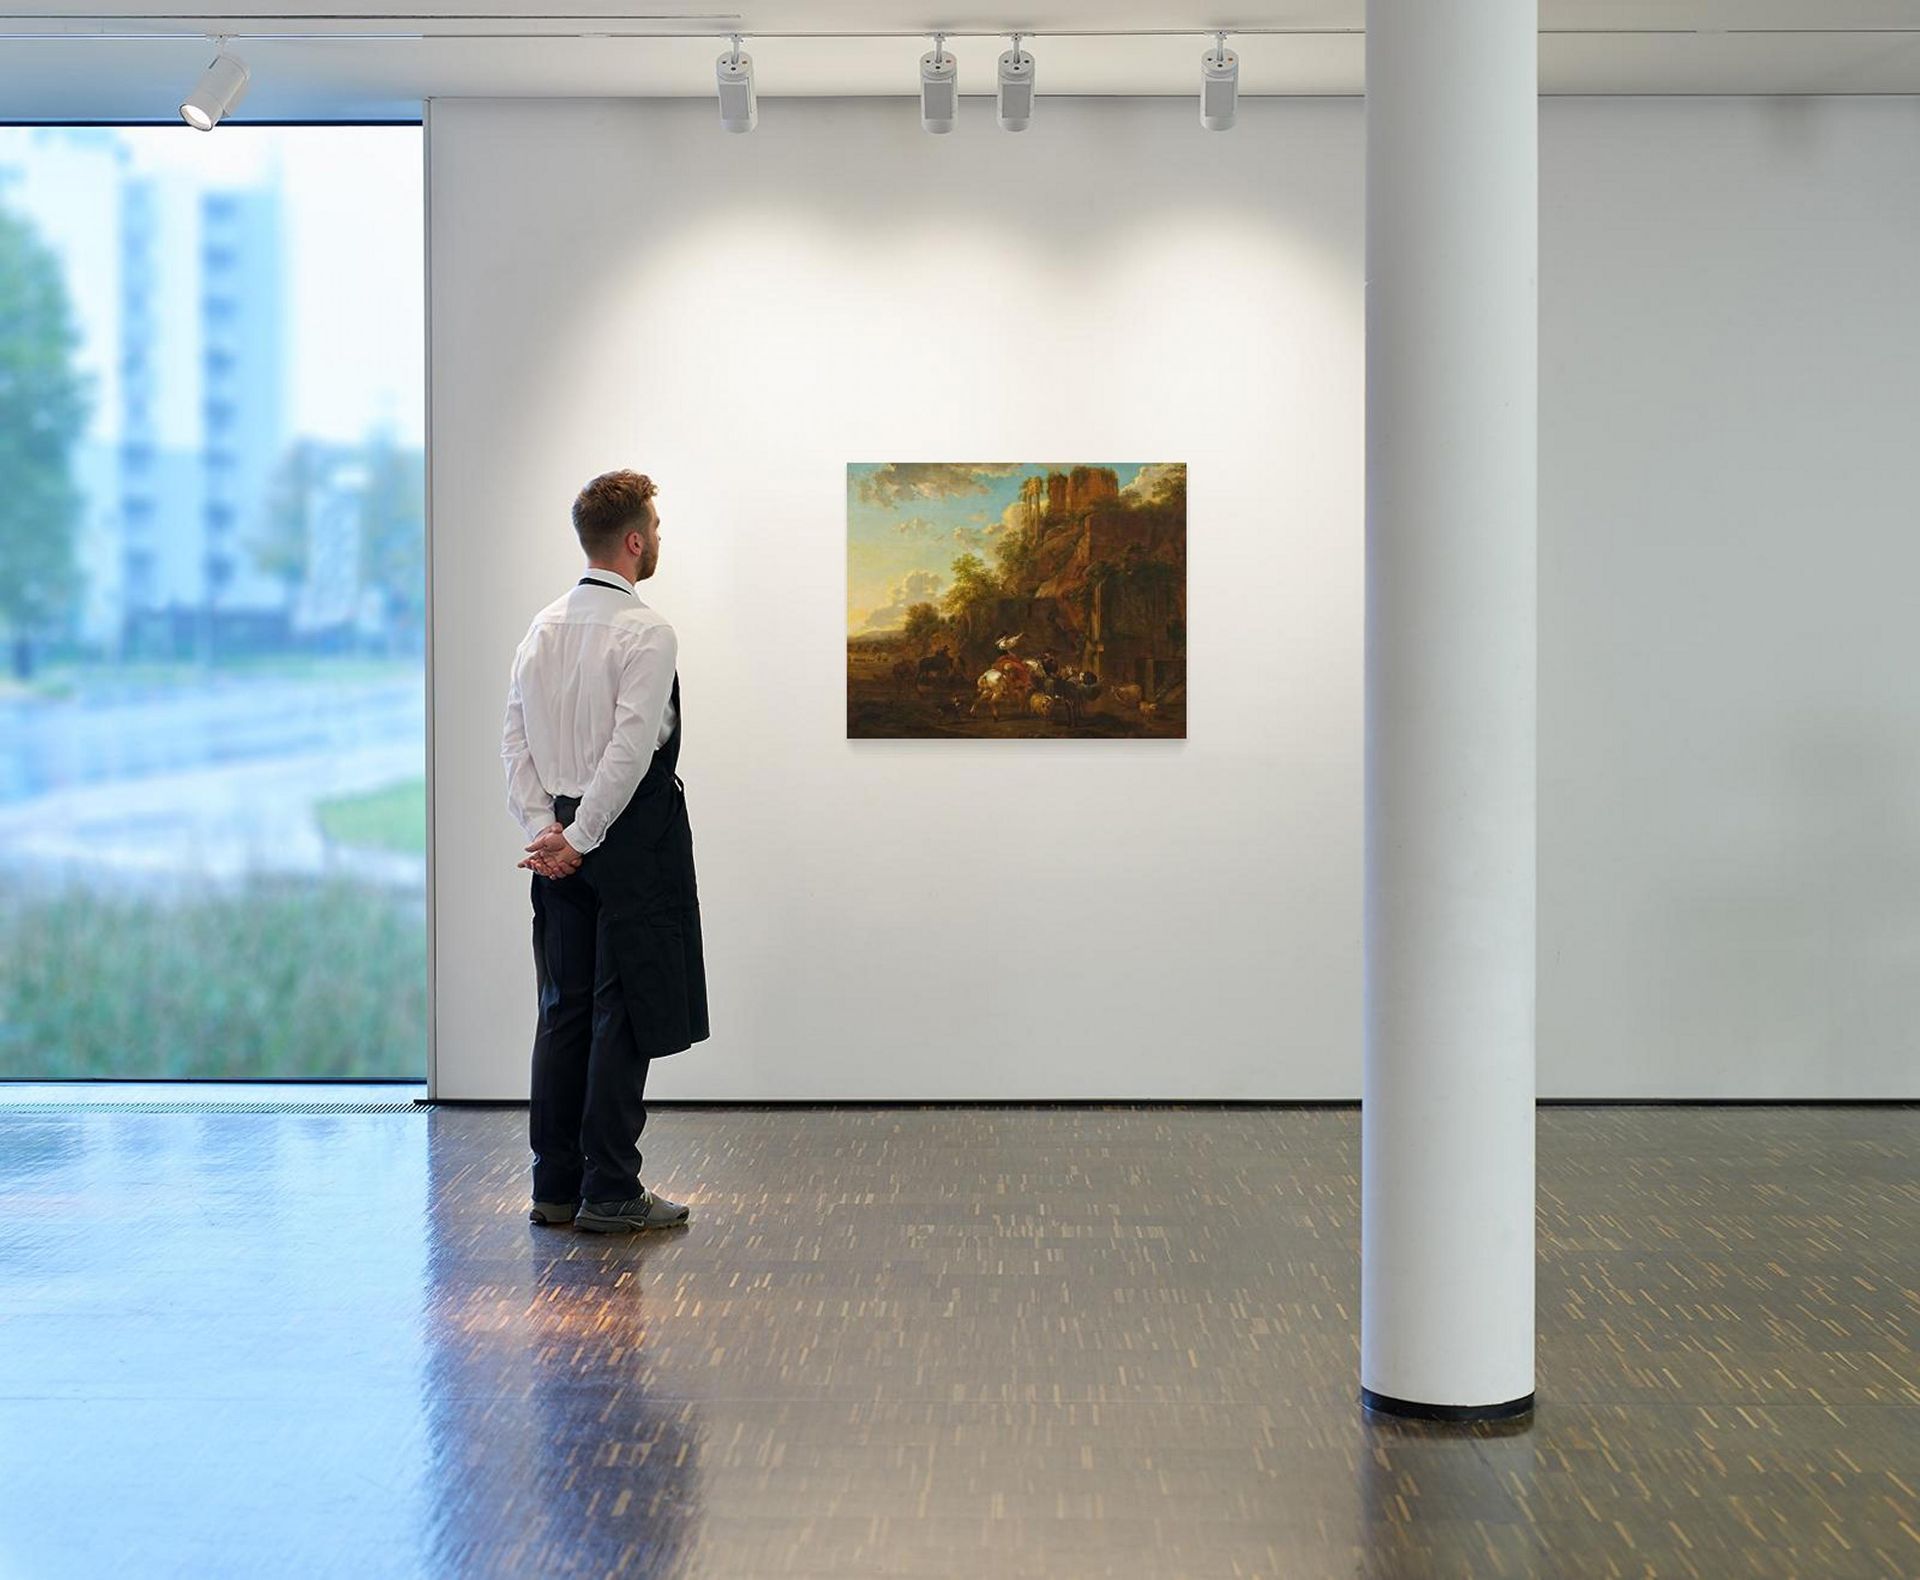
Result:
pixel 212 602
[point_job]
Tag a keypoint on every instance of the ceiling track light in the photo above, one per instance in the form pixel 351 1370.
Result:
pixel 1219 86
pixel 1016 89
pixel 733 72
pixel 221 86
pixel 939 87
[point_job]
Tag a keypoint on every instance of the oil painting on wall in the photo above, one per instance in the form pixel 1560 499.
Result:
pixel 1016 600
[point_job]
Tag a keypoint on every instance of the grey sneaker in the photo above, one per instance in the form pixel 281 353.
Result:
pixel 556 1213
pixel 645 1211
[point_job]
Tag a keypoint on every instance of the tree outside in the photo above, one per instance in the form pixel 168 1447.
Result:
pixel 371 498
pixel 43 410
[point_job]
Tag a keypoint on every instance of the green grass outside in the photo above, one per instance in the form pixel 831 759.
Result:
pixel 391 819
pixel 282 980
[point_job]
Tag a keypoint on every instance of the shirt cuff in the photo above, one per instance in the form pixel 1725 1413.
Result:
pixel 582 846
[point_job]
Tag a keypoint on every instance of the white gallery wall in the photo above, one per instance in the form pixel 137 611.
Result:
pixel 1730 598
pixel 1730 708
pixel 620 283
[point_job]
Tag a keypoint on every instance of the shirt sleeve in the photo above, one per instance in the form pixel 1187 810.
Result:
pixel 527 799
pixel 639 708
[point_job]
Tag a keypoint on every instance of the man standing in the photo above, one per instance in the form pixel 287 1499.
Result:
pixel 591 742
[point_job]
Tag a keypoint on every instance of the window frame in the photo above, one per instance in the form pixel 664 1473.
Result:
pixel 147 123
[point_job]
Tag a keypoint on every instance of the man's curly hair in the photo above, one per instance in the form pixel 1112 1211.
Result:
pixel 608 508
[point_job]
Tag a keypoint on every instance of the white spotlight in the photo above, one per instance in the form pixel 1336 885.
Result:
pixel 1219 85
pixel 939 87
pixel 1016 88
pixel 739 109
pixel 219 89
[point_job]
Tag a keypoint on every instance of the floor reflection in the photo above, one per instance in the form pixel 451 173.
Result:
pixel 556 1447
pixel 1444 1498
pixel 210 1357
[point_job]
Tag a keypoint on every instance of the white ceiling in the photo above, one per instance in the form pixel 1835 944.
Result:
pixel 355 58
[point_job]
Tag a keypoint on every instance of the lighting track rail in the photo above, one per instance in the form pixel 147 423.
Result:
pixel 147 27
pixel 225 80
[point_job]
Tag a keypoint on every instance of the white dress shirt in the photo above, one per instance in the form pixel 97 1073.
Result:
pixel 589 704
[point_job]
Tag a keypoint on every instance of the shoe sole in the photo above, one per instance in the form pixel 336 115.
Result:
pixel 625 1225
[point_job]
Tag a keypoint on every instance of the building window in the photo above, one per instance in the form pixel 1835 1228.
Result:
pixel 230 485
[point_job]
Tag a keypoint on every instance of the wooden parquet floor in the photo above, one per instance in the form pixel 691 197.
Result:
pixel 1058 1342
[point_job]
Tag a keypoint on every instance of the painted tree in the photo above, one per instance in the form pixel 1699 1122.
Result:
pixel 922 626
pixel 43 410
pixel 970 599
pixel 1015 554
pixel 973 585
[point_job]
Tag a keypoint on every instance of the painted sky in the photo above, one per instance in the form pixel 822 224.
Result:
pixel 908 521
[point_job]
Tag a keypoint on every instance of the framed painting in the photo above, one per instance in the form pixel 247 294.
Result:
pixel 1016 600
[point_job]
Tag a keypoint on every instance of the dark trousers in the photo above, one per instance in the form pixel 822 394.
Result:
pixel 588 1074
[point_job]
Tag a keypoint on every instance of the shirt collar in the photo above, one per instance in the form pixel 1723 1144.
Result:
pixel 608 578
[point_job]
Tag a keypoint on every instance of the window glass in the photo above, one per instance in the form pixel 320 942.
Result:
pixel 212 602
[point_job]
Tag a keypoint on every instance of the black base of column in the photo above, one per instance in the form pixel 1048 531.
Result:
pixel 1381 1404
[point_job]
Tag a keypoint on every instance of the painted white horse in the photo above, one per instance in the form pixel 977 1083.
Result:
pixel 1007 684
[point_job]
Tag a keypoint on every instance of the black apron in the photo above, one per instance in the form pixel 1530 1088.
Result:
pixel 650 906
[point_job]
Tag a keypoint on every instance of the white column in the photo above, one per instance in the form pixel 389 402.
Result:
pixel 1452 383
